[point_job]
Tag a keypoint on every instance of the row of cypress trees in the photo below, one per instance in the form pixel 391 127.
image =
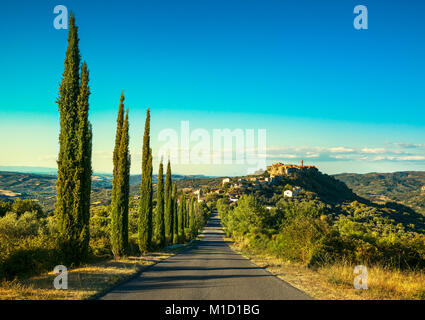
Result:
pixel 74 158
pixel 174 218
pixel 120 184
pixel 165 233
pixel 158 228
pixel 163 229
pixel 187 212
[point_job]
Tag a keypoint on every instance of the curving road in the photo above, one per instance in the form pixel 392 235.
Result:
pixel 208 270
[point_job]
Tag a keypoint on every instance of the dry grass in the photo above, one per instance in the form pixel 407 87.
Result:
pixel 83 283
pixel 335 282
pixel 9 193
pixel 88 281
pixel 383 284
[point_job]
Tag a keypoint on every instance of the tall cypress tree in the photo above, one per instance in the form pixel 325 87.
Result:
pixel 120 185
pixel 74 159
pixel 192 222
pixel 84 136
pixel 120 122
pixel 186 213
pixel 124 171
pixel 168 211
pixel 175 215
pixel 197 217
pixel 182 209
pixel 145 203
pixel 159 215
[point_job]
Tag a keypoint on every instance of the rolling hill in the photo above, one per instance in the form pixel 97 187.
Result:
pixel 42 187
pixel 407 188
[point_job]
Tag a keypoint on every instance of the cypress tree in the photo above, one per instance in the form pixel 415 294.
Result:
pixel 171 215
pixel 168 203
pixel 74 159
pixel 120 122
pixel 197 217
pixel 159 215
pixel 181 218
pixel 125 171
pixel 120 185
pixel 192 222
pixel 84 159
pixel 189 212
pixel 175 215
pixel 145 203
pixel 186 213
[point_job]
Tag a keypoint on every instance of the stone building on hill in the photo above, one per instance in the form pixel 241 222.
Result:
pixel 225 180
pixel 280 169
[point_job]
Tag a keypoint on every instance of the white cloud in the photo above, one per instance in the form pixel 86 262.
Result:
pixel 99 154
pixel 396 153
pixel 379 158
pixel 341 150
pixel 411 158
pixel 282 156
pixel 373 150
pixel 48 157
pixel 312 155
pixel 406 145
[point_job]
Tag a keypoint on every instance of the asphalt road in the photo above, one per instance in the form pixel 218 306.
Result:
pixel 208 270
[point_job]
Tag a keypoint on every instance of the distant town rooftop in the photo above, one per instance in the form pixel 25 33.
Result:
pixel 280 169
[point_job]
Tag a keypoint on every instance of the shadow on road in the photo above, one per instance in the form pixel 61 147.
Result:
pixel 208 270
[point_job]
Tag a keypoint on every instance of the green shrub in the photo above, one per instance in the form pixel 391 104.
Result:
pixel 5 207
pixel 248 217
pixel 20 206
pixel 306 232
pixel 100 244
pixel 26 246
pixel 24 262
pixel 302 239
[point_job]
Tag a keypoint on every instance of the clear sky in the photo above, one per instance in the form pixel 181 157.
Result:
pixel 342 99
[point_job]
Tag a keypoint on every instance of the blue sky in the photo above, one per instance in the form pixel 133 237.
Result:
pixel 342 99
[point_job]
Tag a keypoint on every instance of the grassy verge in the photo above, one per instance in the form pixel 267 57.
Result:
pixel 86 282
pixel 335 282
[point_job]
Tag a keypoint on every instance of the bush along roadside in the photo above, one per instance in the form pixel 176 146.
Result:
pixel 89 281
pixel 303 232
pixel 28 240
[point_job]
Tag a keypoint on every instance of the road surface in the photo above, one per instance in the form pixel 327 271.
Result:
pixel 208 270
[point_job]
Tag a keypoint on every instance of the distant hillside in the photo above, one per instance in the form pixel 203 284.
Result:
pixel 313 182
pixel 402 187
pixel 325 186
pixel 337 199
pixel 24 169
pixel 137 178
pixel 321 222
pixel 42 187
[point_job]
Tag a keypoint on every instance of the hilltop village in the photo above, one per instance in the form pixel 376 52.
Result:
pixel 233 188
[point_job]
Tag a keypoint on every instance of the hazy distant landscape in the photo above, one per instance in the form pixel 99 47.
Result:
pixel 42 187
pixel 407 188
